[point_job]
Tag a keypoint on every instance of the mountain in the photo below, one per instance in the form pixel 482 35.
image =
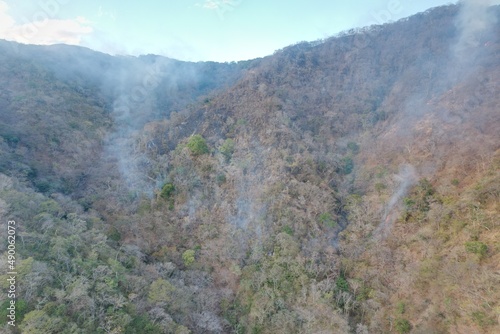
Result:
pixel 348 185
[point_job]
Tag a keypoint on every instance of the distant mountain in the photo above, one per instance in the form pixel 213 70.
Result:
pixel 348 185
pixel 73 96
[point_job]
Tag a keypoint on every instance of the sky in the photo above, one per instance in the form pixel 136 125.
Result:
pixel 194 30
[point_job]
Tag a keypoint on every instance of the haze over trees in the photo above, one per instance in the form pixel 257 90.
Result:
pixel 348 185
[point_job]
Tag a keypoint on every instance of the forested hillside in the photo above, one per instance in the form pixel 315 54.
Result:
pixel 348 185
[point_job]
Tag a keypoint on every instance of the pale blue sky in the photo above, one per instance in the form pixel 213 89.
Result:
pixel 219 30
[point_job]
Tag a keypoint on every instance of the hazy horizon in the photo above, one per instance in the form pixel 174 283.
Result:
pixel 209 30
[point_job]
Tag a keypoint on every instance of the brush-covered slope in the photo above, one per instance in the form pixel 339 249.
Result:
pixel 349 185
pixel 60 103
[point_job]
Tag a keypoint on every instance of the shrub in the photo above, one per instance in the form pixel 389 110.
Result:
pixel 227 149
pixel 426 188
pixel 364 293
pixel 42 186
pixel 221 178
pixel 379 186
pixel 141 324
pixel 188 257
pixel 380 116
pixel 482 319
pixel 160 291
pixel 21 308
pixel 353 147
pixel 476 247
pixel 327 219
pixel 288 230
pixel 322 167
pixel 114 234
pixel 403 326
pixel 346 165
pixel 197 145
pixel 408 202
pixel 400 307
pixel 167 191
pixel 341 284
pixel 11 139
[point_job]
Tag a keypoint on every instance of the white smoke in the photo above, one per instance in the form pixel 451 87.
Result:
pixel 473 23
pixel 131 111
pixel 406 178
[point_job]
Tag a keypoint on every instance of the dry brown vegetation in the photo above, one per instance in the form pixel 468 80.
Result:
pixel 345 186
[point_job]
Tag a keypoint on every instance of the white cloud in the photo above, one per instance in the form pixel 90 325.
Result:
pixel 220 4
pixel 5 20
pixel 210 5
pixel 47 31
pixel 102 13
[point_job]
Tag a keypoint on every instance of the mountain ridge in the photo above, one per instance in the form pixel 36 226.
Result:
pixel 344 186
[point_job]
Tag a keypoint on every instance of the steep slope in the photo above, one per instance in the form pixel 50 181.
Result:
pixel 349 185
pixel 359 130
pixel 81 102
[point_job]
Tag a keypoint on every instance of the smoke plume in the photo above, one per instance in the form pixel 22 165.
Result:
pixel 406 178
pixel 475 24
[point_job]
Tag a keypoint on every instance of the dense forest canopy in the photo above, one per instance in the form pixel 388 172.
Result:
pixel 347 185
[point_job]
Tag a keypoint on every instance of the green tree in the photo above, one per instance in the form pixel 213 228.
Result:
pixel 403 326
pixel 188 257
pixel 197 145
pixel 227 149
pixel 353 147
pixel 476 247
pixel 167 191
pixel 160 291
pixel 38 322
pixel 141 324
pixel 341 284
pixel 346 165
pixel 327 219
